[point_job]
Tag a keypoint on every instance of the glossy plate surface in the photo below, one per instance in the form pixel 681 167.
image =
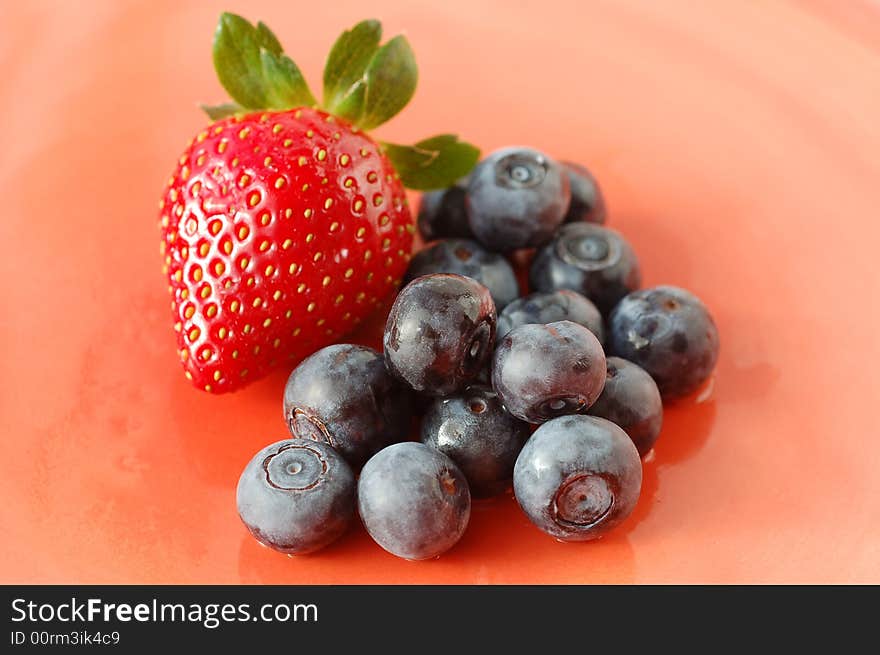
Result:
pixel 737 144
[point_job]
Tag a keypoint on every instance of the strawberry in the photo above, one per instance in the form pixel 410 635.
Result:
pixel 284 223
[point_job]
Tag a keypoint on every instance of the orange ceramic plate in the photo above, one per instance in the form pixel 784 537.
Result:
pixel 737 143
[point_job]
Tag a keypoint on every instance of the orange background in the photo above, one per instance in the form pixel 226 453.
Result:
pixel 737 143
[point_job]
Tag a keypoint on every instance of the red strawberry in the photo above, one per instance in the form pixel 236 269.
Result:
pixel 283 227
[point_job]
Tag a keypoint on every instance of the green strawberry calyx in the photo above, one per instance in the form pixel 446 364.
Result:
pixel 365 82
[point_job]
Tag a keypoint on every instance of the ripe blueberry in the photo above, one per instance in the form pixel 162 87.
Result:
pixel 632 401
pixel 577 477
pixel 668 332
pixel 516 198
pixel 343 395
pixel 296 496
pixel 465 257
pixel 442 213
pixel 589 259
pixel 587 202
pixel 440 332
pixel 473 429
pixel 562 305
pixel 544 371
pixel 413 500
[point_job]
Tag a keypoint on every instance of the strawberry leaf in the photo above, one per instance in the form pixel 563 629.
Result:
pixel 352 105
pixel 435 163
pixel 216 112
pixel 346 65
pixel 390 80
pixel 237 60
pixel 284 83
pixel 252 68
pixel 267 39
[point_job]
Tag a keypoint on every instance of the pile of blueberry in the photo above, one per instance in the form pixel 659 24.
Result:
pixel 483 366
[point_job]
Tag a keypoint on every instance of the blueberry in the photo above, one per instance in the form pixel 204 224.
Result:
pixel 544 371
pixel 668 332
pixel 589 259
pixel 562 305
pixel 516 198
pixel 413 500
pixel 577 477
pixel 296 496
pixel 343 395
pixel 631 400
pixel 442 213
pixel 473 429
pixel 469 258
pixel 440 332
pixel 587 203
